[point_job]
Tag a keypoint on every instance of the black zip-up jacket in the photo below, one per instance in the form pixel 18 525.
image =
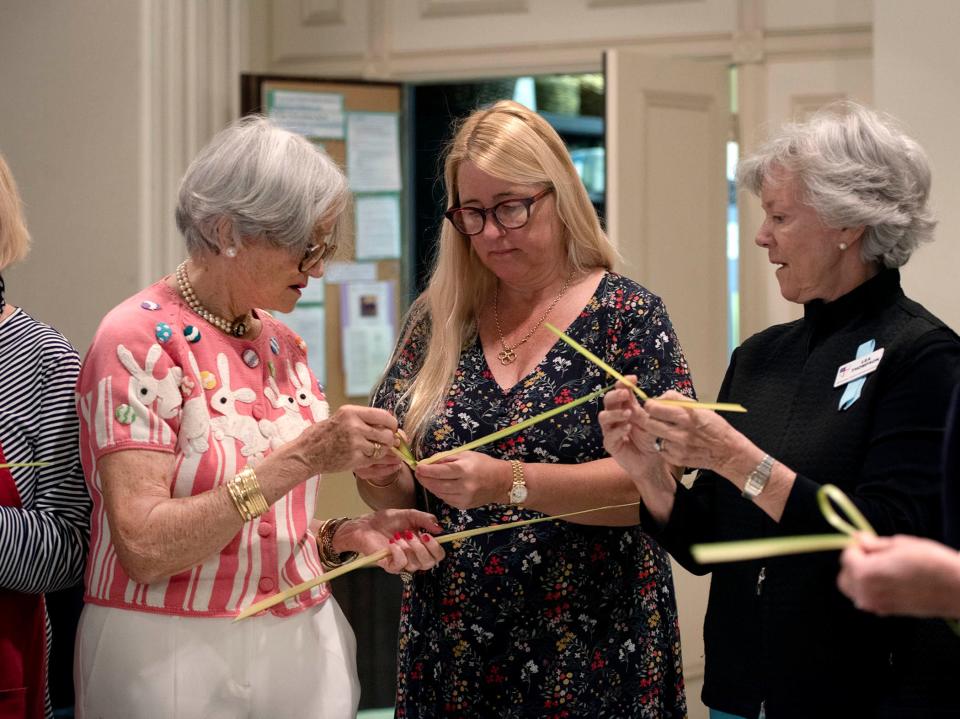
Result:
pixel 778 631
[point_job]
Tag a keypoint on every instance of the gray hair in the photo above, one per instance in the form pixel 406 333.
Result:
pixel 855 167
pixel 270 184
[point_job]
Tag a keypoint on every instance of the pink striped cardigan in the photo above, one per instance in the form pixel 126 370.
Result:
pixel 158 377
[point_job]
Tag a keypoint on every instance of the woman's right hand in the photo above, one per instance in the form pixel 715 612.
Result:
pixel 404 533
pixel 353 437
pixel 634 448
pixel 624 438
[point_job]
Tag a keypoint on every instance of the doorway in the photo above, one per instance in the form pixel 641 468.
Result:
pixel 572 104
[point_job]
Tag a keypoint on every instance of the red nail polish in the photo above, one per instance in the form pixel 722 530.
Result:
pixel 393 541
pixel 408 534
pixel 425 537
pixel 398 535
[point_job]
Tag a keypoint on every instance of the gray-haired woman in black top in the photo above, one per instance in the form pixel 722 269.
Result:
pixel 845 197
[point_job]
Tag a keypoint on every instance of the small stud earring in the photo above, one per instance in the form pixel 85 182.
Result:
pixel 842 246
pixel 231 252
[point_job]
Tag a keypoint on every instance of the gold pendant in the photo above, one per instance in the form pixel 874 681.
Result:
pixel 506 356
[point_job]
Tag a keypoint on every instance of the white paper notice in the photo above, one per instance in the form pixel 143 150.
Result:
pixel 373 151
pixel 378 226
pixel 367 349
pixel 366 316
pixel 314 291
pixel 337 272
pixel 309 321
pixel 312 114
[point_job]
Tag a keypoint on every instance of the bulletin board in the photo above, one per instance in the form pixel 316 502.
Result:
pixel 338 495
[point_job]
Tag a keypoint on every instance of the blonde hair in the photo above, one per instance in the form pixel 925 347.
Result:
pixel 14 238
pixel 514 144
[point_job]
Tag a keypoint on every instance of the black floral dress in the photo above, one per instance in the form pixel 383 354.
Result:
pixel 555 619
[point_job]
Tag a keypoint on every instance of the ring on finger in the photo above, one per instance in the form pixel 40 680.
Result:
pixel 658 444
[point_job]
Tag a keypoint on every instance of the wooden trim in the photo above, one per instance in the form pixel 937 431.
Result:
pixel 628 3
pixel 583 56
pixel 314 13
pixel 468 8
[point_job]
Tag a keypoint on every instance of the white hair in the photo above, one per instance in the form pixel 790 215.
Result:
pixel 270 184
pixel 855 167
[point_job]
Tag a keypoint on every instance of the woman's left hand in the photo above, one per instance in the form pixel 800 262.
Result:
pixel 467 480
pixel 406 533
pixel 690 437
pixel 901 575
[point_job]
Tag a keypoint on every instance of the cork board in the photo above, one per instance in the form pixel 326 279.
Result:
pixel 338 495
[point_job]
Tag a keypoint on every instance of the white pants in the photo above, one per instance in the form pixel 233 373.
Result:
pixel 138 665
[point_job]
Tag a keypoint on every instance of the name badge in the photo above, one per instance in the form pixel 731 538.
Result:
pixel 858 368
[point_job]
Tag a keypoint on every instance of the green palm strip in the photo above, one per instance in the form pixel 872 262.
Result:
pixel 738 551
pixel 693 404
pixel 383 553
pixel 408 457
pixel 404 452
pixel 514 428
pixel 717 552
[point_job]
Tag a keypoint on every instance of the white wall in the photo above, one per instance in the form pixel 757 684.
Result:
pixel 917 79
pixel 104 104
pixel 70 130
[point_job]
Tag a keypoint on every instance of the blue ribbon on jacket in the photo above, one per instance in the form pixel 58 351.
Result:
pixel 851 392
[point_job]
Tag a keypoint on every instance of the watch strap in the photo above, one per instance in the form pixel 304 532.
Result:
pixel 758 478
pixel 518 490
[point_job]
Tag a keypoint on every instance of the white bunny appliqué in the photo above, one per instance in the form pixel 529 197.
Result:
pixel 147 389
pixel 195 423
pixel 288 426
pixel 232 423
pixel 305 397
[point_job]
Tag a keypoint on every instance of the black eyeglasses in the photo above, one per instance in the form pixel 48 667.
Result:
pixel 509 214
pixel 316 254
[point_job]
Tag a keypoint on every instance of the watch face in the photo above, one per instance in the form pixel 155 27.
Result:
pixel 518 493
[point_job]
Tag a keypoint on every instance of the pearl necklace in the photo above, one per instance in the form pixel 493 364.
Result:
pixel 237 328
pixel 507 354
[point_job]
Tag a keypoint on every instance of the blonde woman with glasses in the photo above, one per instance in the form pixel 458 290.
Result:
pixel 561 619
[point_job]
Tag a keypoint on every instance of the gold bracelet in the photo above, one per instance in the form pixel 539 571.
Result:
pixel 328 555
pixel 247 495
pixel 258 503
pixel 396 478
pixel 233 489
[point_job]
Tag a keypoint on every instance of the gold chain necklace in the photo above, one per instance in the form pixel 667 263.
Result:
pixel 507 354
pixel 237 328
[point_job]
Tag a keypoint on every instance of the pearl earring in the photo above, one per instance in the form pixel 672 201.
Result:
pixel 231 252
pixel 842 246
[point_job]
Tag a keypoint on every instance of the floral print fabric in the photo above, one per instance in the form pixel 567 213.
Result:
pixel 556 619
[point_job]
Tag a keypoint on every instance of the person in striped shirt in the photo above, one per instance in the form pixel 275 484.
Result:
pixel 44 510
pixel 203 438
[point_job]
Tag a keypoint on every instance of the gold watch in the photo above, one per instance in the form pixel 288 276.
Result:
pixel 518 492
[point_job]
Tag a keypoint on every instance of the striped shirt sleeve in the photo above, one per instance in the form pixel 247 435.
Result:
pixel 43 543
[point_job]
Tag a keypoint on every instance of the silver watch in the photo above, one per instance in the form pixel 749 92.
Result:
pixel 758 478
